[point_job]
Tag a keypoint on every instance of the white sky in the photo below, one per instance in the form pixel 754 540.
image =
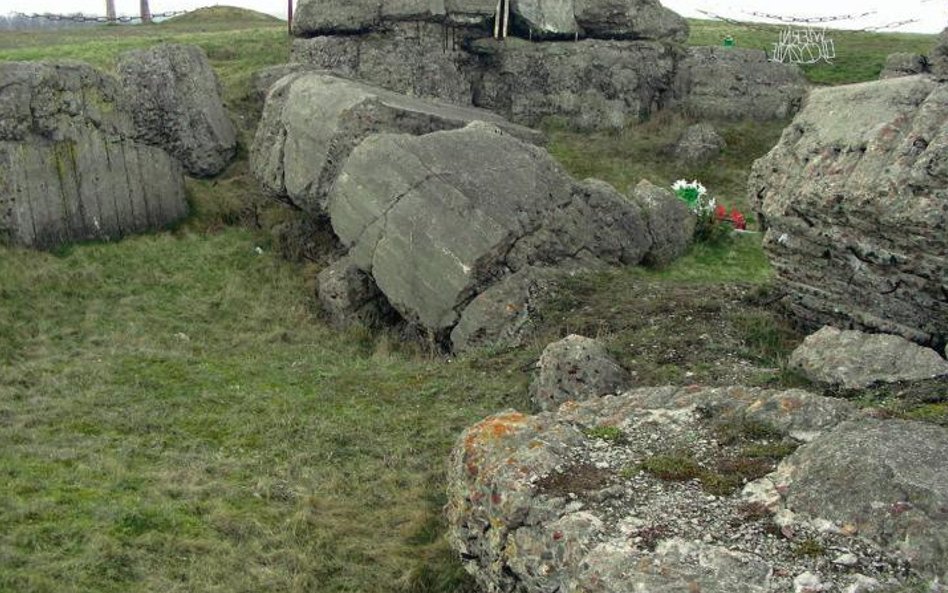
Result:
pixel 931 14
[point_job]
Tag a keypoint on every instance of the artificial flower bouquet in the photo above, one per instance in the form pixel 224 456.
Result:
pixel 704 206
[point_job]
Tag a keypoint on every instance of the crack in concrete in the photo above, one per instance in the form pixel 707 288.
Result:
pixel 383 216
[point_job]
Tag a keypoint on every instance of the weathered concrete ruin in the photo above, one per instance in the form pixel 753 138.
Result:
pixel 855 202
pixel 443 208
pixel 72 166
pixel 649 490
pixel 595 63
pixel 86 156
pixel 175 99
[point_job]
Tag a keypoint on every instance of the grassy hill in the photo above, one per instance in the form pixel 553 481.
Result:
pixel 237 41
pixel 229 15
pixel 176 416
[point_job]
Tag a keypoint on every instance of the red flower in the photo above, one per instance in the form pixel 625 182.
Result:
pixel 720 213
pixel 738 219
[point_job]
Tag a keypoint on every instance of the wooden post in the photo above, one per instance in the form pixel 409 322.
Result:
pixel 506 17
pixel 289 17
pixel 497 17
pixel 145 11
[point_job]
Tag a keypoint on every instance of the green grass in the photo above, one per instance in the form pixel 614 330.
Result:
pixel 174 417
pixel 226 16
pixel 723 480
pixel 809 548
pixel 679 324
pixel 641 151
pixel 860 55
pixel 677 467
pixel 926 401
pixel 740 260
pixel 936 413
pixel 736 430
pixel 754 449
pixel 610 434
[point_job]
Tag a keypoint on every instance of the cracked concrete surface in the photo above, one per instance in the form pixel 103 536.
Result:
pixel 435 203
pixel 312 121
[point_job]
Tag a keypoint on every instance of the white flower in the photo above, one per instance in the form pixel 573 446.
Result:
pixel 695 185
pixel 707 206
pixel 696 195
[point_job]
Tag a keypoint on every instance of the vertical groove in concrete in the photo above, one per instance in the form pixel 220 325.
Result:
pixel 71 169
pixel 116 199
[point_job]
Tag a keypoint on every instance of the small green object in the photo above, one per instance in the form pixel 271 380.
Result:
pixel 728 41
pixel 605 433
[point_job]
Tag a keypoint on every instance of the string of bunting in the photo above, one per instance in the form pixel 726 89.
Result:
pixel 811 20
pixel 890 25
pixel 770 26
pixel 81 18
pixel 731 21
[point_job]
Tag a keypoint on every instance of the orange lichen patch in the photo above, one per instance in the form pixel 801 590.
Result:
pixel 791 404
pixel 500 425
pixel 490 429
pixel 493 428
pixel 849 529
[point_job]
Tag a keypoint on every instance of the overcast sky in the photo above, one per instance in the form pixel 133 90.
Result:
pixel 932 15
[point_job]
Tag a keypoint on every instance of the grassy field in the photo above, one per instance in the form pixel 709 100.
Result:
pixel 860 55
pixel 238 43
pixel 175 415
